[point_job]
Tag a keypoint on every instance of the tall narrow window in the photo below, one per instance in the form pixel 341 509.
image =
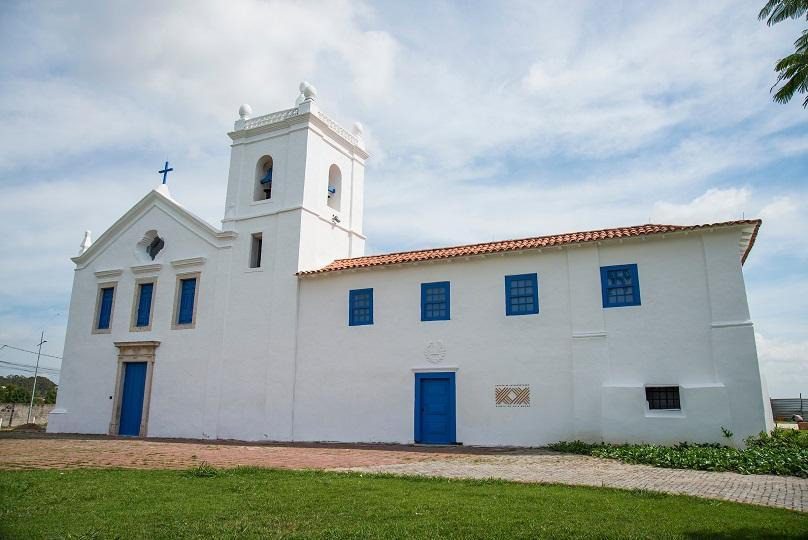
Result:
pixel 522 294
pixel 144 305
pixel 256 246
pixel 263 179
pixel 106 296
pixel 435 301
pixel 620 285
pixel 334 187
pixel 185 303
pixel 360 307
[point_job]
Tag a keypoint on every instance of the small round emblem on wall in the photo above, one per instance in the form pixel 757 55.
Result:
pixel 435 352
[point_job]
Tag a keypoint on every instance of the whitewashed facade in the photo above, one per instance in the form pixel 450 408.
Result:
pixel 268 352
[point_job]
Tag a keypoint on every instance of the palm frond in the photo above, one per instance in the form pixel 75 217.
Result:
pixel 801 45
pixel 776 11
pixel 793 69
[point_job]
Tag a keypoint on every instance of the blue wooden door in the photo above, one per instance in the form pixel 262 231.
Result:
pixel 134 385
pixel 435 408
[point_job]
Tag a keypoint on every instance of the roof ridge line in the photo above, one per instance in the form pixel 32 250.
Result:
pixel 538 242
pixel 525 238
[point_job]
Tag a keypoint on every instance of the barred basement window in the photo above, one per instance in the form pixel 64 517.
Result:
pixel 663 398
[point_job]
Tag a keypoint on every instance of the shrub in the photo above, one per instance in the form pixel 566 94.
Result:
pixel 783 452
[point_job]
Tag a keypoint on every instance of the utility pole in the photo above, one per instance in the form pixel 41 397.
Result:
pixel 36 371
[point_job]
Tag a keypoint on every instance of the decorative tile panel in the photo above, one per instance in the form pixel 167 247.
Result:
pixel 512 395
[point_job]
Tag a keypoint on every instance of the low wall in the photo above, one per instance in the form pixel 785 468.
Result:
pixel 39 414
pixel 786 408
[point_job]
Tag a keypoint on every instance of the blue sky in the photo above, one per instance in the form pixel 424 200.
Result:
pixel 569 116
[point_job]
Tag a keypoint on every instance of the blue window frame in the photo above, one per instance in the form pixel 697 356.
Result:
pixel 185 313
pixel 435 301
pixel 360 307
pixel 105 308
pixel 620 285
pixel 144 302
pixel 522 294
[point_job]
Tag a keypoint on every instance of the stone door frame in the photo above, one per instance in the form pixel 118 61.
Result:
pixel 133 351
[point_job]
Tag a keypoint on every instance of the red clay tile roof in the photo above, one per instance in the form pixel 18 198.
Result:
pixel 527 243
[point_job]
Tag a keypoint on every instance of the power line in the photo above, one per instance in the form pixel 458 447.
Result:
pixel 26 370
pixel 12 368
pixel 32 352
pixel 15 364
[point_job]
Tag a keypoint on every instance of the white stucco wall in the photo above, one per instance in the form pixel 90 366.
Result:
pixel 587 366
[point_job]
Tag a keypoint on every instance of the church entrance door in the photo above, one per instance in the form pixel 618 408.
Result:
pixel 134 386
pixel 130 414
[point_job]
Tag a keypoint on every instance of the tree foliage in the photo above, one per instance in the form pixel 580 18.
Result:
pixel 792 71
pixel 12 393
pixel 17 389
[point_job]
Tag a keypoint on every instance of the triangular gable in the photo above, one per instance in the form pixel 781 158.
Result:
pixel 156 199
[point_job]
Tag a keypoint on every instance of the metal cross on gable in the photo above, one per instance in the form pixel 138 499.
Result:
pixel 165 171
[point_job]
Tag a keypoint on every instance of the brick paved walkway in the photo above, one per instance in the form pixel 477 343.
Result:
pixel 522 465
pixel 43 452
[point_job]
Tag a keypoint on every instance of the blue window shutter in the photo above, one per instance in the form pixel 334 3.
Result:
pixel 620 285
pixel 105 310
pixel 144 304
pixel 435 301
pixel 360 307
pixel 186 311
pixel 522 294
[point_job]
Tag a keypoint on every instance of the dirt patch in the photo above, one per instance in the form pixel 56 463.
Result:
pixel 29 428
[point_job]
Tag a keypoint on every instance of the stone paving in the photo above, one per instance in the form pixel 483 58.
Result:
pixel 552 467
pixel 35 451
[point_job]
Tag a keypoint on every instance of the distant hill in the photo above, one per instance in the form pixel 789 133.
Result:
pixel 44 387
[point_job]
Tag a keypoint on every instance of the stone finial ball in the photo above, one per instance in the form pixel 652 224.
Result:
pixel 244 111
pixel 358 129
pixel 308 90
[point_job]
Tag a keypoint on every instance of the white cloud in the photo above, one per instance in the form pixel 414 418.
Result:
pixel 783 363
pixel 714 205
pixel 173 71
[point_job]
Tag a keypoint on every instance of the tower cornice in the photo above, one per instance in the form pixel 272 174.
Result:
pixel 305 113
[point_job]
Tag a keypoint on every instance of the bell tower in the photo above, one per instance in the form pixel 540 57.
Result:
pixel 298 162
pixel 294 198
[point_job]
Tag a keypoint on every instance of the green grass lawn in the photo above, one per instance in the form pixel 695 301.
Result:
pixel 260 503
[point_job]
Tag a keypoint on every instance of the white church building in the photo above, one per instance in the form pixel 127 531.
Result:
pixel 278 327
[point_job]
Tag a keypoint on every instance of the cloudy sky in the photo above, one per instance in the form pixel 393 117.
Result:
pixel 568 115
